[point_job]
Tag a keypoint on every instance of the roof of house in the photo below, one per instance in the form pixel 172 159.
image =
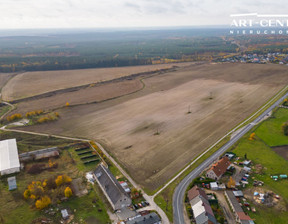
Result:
pixel 243 216
pixel 213 185
pixel 108 182
pixel 195 191
pixel 202 210
pixel 146 219
pixel 245 219
pixel 221 166
pixel 8 154
pixel 234 201
pixel 204 217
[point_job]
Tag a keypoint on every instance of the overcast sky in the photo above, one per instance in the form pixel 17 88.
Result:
pixel 127 13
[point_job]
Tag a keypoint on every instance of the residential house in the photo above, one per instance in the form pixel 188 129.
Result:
pixel 218 169
pixel 240 215
pixel 200 206
pixel 113 191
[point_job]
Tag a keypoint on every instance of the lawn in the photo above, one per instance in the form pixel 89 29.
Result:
pixel 4 109
pixel 271 132
pixel 260 153
pixel 89 208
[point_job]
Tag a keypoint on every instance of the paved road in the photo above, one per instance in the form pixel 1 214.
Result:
pixel 178 197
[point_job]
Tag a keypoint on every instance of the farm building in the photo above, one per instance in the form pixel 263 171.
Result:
pixel 200 206
pixel 151 218
pixel 240 216
pixel 9 159
pixel 113 191
pixel 218 169
pixel 39 154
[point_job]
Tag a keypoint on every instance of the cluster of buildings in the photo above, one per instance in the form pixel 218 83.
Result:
pixel 277 58
pixel 117 194
pixel 198 199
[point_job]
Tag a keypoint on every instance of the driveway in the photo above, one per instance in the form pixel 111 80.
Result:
pixel 224 205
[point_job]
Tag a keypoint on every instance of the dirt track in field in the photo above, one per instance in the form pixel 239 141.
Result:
pixel 219 96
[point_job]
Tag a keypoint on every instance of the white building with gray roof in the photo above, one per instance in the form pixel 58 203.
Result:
pixel 113 191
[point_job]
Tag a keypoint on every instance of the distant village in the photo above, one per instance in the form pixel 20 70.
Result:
pixel 276 58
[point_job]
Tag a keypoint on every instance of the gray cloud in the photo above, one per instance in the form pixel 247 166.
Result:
pixel 127 13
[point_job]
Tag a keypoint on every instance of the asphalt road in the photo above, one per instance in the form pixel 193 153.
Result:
pixel 178 197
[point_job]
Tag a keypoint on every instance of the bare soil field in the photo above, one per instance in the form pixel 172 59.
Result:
pixel 219 97
pixel 34 83
pixel 282 151
pixel 4 77
pixel 82 96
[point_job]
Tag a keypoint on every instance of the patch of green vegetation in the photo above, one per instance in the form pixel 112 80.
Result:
pixel 4 109
pixel 20 214
pixel 271 131
pixel 79 163
pixel 260 153
pixel 165 198
pixel 88 208
pixel 28 142
pixel 269 216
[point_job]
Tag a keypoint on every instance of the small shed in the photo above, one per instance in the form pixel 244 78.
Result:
pixel 238 194
pixel 12 183
pixel 214 186
pixel 64 214
pixel 222 187
pixel 247 162
pixel 247 169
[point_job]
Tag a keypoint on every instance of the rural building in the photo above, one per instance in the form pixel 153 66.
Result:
pixel 218 169
pixel 113 191
pixel 151 218
pixel 200 206
pixel 9 159
pixel 39 154
pixel 240 215
pixel 12 185
pixel 214 186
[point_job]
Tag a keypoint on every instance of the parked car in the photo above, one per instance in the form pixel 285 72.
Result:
pixel 147 203
pixel 136 206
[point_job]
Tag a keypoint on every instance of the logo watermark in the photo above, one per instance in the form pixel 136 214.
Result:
pixel 254 23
